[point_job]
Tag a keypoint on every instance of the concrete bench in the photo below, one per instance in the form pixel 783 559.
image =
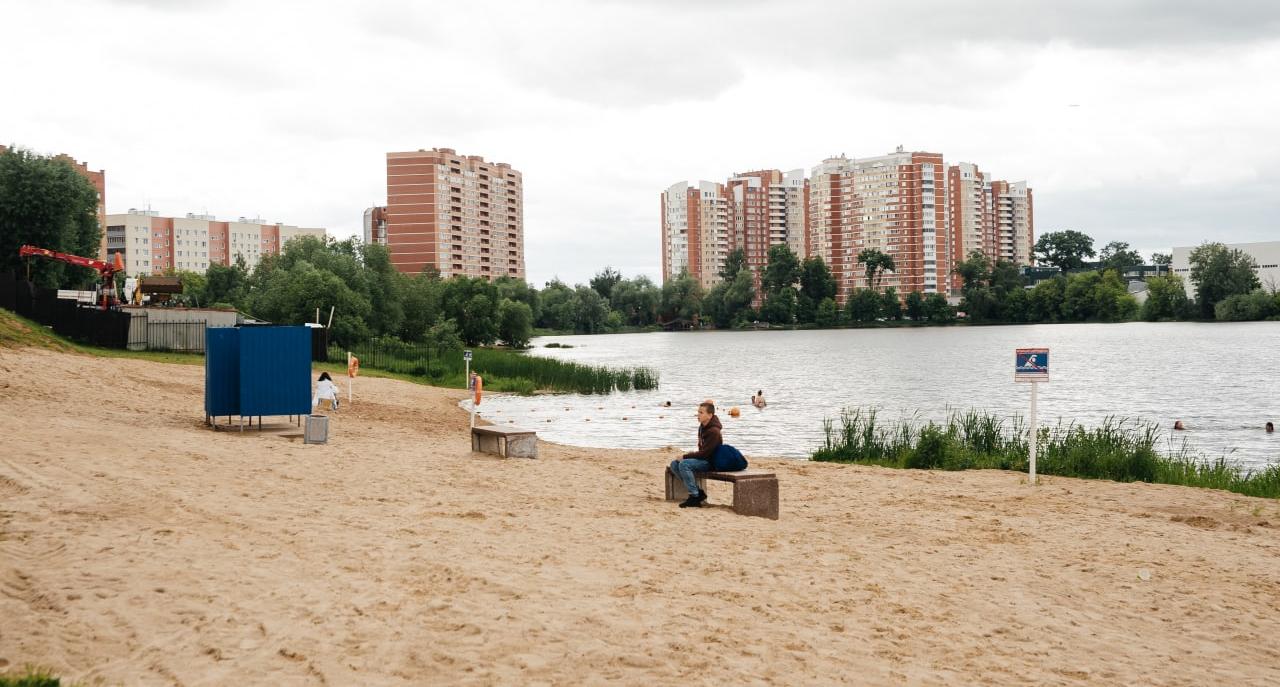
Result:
pixel 511 442
pixel 755 492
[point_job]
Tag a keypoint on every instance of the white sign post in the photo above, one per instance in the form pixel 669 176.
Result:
pixel 466 374
pixel 1032 365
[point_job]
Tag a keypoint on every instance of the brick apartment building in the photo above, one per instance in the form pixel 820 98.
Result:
pixel 752 211
pixel 152 244
pixel 457 213
pixel 909 205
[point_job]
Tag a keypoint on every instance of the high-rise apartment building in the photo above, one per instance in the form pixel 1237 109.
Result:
pixel 752 211
pixel 1011 218
pixel 894 203
pixel 767 208
pixel 969 227
pixel 695 231
pixel 908 205
pixel 457 213
pixel 152 244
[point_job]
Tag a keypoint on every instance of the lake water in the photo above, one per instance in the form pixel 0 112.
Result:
pixel 1221 379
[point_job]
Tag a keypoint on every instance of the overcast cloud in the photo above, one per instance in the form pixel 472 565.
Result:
pixel 1156 123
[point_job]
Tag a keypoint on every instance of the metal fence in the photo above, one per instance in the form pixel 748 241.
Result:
pixel 147 335
pixel 392 356
pixel 88 324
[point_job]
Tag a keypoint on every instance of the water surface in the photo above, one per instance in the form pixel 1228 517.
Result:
pixel 1221 379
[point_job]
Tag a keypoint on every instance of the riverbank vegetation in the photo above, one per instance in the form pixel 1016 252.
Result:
pixel 1119 449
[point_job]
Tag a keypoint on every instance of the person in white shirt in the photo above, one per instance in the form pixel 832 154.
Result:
pixel 325 388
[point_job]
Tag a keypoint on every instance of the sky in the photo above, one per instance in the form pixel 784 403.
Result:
pixel 1155 122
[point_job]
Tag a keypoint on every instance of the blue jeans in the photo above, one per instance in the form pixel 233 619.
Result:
pixel 685 469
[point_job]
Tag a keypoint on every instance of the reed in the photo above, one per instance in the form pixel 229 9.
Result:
pixel 503 370
pixel 1119 449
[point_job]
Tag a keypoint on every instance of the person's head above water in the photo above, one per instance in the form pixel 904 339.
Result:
pixel 1271 427
pixel 1177 424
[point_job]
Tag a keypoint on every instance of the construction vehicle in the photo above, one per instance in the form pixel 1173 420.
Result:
pixel 106 270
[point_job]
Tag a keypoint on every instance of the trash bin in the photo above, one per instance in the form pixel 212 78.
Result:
pixel 317 431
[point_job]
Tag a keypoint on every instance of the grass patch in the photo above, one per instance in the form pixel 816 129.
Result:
pixel 19 332
pixel 1119 449
pixel 31 676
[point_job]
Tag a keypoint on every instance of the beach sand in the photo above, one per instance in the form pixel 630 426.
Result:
pixel 138 547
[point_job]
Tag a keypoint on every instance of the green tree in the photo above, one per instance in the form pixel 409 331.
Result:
pixel 863 306
pixel 1045 304
pixel 876 263
pixel 290 293
pixel 734 263
pixel 443 336
pixel 559 306
pixel 915 306
pixel 605 280
pixel 637 300
pixel 1161 258
pixel 975 270
pixel 783 270
pixel 827 314
pixel 516 289
pixel 728 302
pixel 890 306
pixel 1065 250
pixel 593 310
pixel 1166 299
pixel 225 284
pixel 1119 257
pixel 421 293
pixel 479 321
pixel 515 323
pixel 1218 272
pixel 816 280
pixel 194 286
pixel 44 202
pixel 682 298
pixel 937 309
pixel 780 307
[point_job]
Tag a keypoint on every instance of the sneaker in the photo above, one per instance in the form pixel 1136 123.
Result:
pixel 691 502
pixel 702 497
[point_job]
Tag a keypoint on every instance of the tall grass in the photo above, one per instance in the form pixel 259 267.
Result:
pixel 503 370
pixel 1119 449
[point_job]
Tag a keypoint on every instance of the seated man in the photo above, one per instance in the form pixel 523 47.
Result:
pixel 699 461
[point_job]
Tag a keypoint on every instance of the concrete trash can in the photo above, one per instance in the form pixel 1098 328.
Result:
pixel 317 431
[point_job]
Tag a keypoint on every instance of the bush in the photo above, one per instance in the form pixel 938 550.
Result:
pixel 1257 305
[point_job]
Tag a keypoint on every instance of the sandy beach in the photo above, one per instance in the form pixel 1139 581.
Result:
pixel 139 547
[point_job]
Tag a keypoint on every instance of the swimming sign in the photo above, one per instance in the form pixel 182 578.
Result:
pixel 1031 365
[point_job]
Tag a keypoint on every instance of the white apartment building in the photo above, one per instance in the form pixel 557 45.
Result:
pixel 152 244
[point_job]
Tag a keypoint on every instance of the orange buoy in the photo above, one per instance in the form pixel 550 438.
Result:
pixel 734 412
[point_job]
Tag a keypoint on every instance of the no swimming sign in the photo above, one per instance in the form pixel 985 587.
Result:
pixel 1031 365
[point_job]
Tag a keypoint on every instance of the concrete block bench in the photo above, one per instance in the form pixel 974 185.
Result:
pixel 511 442
pixel 755 492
